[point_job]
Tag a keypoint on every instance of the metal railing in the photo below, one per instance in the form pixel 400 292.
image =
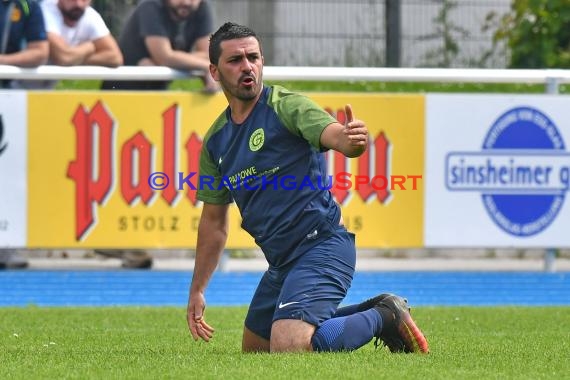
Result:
pixel 551 78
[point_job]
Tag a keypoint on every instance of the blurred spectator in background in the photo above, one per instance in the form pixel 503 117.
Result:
pixel 22 36
pixel 173 33
pixel 78 35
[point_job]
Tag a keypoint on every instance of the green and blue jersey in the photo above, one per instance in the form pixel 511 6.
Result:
pixel 21 22
pixel 273 167
pixel 26 24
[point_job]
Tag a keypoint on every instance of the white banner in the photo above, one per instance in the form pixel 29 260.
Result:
pixel 13 168
pixel 497 171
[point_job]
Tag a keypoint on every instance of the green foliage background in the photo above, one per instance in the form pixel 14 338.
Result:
pixel 537 33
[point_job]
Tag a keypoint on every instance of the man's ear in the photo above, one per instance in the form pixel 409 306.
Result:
pixel 214 72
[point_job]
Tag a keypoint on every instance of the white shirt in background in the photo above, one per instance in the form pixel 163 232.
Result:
pixel 90 26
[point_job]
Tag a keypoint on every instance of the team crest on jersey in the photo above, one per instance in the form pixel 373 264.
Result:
pixel 16 15
pixel 256 140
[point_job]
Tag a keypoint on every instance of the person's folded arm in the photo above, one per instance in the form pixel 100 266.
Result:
pixel 63 54
pixel 162 54
pixel 107 53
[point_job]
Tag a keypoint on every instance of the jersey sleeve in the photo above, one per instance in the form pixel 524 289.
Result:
pixel 35 29
pixel 301 115
pixel 210 188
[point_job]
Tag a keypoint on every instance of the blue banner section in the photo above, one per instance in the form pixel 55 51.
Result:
pixel 170 288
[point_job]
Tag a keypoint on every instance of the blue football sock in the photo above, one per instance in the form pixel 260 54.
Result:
pixel 346 310
pixel 347 333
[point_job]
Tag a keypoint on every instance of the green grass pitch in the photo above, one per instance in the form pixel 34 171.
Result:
pixel 154 343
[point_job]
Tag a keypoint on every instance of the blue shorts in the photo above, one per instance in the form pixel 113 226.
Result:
pixel 309 289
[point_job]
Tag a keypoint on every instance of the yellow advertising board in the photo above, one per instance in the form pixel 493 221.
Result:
pixel 383 205
pixel 91 154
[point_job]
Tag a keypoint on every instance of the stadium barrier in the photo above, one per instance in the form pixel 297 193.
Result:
pixel 551 78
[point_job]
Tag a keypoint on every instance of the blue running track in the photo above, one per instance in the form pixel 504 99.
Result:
pixel 170 288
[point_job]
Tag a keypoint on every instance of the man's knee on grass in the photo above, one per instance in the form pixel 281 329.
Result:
pixel 291 335
pixel 252 342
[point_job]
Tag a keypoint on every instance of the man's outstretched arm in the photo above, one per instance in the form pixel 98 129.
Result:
pixel 212 236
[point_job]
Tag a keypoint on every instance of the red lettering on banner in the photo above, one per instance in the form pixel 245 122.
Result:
pixel 378 155
pixel 170 151
pixel 91 188
pixel 340 165
pixel 136 163
pixel 414 178
pixel 373 162
pixel 193 148
pixel 134 180
pixel 399 180
pixel 95 130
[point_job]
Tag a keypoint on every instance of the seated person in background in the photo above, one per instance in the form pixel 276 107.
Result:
pixel 22 36
pixel 173 33
pixel 78 35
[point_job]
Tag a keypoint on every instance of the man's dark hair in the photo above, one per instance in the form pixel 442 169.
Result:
pixel 228 31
